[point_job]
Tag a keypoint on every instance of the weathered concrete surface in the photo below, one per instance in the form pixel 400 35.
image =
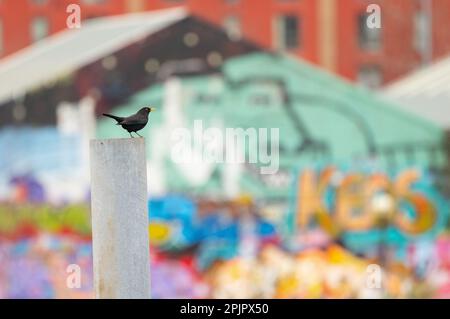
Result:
pixel 120 218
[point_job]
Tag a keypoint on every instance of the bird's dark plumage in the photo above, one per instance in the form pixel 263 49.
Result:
pixel 134 122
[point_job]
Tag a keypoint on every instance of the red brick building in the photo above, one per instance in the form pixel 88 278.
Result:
pixel 330 33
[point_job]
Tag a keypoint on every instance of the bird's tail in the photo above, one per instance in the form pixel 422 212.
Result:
pixel 117 118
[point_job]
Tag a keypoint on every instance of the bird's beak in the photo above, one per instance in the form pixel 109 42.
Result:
pixel 152 109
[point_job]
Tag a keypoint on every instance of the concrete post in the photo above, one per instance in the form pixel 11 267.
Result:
pixel 120 218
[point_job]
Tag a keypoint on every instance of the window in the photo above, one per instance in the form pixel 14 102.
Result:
pixel 287 35
pixel 422 31
pixel 39 28
pixel 368 38
pixel 370 76
pixel 232 26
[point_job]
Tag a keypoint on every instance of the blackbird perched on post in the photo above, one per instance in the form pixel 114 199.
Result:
pixel 134 122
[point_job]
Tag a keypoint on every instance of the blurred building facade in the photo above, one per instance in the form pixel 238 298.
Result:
pixel 330 33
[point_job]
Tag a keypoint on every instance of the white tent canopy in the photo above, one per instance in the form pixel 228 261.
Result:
pixel 425 93
pixel 67 51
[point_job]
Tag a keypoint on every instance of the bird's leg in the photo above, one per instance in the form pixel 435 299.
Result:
pixel 131 135
pixel 138 134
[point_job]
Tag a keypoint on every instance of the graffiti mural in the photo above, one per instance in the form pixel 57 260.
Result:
pixel 363 205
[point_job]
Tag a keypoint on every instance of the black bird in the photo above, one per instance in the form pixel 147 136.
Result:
pixel 134 122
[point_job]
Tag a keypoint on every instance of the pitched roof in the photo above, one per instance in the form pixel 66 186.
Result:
pixel 425 93
pixel 71 49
